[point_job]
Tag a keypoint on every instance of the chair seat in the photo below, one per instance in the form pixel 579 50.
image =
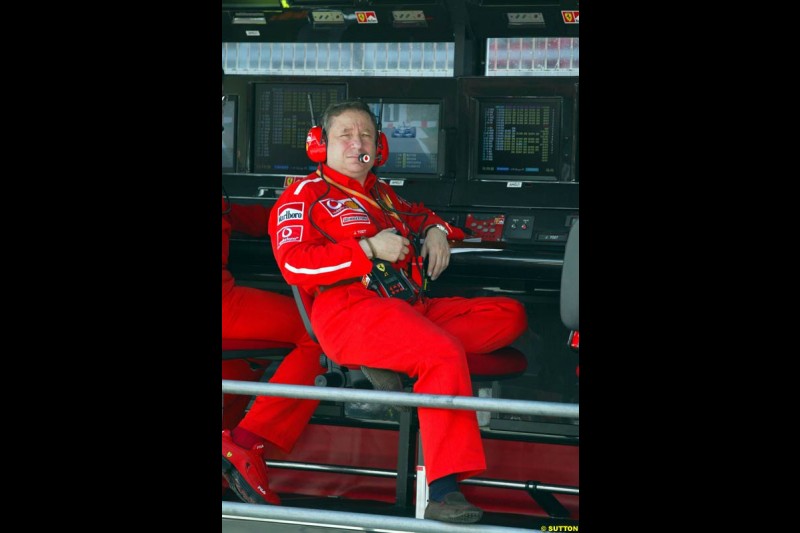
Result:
pixel 251 344
pixel 504 363
pixel 243 348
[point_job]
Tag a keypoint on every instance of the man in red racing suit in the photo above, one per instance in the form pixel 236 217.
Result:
pixel 254 314
pixel 325 229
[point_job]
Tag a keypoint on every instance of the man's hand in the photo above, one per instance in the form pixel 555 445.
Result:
pixel 390 246
pixel 437 251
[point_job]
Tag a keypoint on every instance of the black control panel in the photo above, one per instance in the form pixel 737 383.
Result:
pixel 529 227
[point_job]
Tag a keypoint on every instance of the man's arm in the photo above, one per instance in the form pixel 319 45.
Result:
pixel 422 218
pixel 304 255
pixel 433 229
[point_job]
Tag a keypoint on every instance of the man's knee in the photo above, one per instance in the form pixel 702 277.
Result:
pixel 513 315
pixel 447 352
pixel 520 316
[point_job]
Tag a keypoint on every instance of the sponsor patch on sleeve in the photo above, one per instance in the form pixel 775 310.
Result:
pixel 289 234
pixel 354 219
pixel 291 212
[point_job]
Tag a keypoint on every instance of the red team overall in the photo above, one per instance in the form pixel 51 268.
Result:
pixel 325 229
pixel 254 314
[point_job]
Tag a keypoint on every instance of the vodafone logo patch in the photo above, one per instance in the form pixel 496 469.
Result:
pixel 289 234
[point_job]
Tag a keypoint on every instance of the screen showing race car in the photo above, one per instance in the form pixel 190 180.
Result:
pixel 412 129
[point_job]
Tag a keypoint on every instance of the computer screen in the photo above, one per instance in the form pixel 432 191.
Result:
pixel 577 135
pixel 517 139
pixel 412 129
pixel 229 134
pixel 282 120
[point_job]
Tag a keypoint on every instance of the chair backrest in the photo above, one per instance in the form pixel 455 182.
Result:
pixel 304 301
pixel 569 281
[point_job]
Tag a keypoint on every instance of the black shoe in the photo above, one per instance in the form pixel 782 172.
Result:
pixel 454 508
pixel 383 379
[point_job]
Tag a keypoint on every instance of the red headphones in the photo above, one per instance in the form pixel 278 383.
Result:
pixel 317 150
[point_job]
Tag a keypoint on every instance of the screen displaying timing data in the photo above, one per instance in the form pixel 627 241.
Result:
pixel 282 120
pixel 518 138
pixel 412 130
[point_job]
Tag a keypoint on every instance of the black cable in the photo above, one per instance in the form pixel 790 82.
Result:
pixel 321 197
pixel 227 201
pixel 417 237
pixel 311 207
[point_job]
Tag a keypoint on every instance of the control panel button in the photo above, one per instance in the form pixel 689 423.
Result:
pixel 519 228
pixel 489 227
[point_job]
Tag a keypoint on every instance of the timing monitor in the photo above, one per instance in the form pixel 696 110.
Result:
pixel 517 138
pixel 412 128
pixel 229 133
pixel 282 120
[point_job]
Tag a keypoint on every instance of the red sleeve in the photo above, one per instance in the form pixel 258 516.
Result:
pixel 305 256
pixel 251 219
pixel 419 222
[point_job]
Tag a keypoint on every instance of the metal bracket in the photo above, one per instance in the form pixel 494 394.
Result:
pixel 546 501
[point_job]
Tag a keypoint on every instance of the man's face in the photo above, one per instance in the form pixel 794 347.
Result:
pixel 351 133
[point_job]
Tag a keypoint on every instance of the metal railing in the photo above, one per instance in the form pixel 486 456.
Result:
pixel 521 407
pixel 361 521
pixel 382 472
pixel 328 518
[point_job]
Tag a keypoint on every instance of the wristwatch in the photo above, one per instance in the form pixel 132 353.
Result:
pixel 439 226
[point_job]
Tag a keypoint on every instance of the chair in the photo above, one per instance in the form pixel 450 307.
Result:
pixel 569 289
pixel 502 364
pixel 247 348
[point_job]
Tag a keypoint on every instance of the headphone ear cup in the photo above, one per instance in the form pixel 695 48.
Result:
pixel 382 151
pixel 315 145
